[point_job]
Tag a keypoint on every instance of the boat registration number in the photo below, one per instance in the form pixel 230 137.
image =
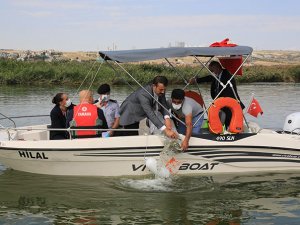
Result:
pixel 225 138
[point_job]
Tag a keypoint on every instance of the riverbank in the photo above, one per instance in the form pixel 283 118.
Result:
pixel 14 72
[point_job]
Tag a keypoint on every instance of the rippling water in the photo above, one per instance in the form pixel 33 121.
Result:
pixel 249 199
pixel 276 100
pixel 39 199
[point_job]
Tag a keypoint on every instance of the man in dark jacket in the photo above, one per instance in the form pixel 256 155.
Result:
pixel 224 76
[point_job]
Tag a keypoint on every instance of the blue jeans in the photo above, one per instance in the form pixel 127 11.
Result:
pixel 196 128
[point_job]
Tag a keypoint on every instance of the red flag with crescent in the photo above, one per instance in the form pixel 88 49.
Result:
pixel 254 108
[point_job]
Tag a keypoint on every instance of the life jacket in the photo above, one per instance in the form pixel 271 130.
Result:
pixel 223 43
pixel 214 122
pixel 85 116
pixel 194 95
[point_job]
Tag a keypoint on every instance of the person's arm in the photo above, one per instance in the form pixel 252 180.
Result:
pixel 166 114
pixel 116 123
pixel 102 118
pixel 148 109
pixel 55 120
pixel 168 123
pixel 114 126
pixel 145 103
pixel 208 78
pixel 188 134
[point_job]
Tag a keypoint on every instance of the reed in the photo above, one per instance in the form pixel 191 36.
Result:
pixel 73 73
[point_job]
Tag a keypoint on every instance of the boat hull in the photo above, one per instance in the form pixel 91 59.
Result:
pixel 125 156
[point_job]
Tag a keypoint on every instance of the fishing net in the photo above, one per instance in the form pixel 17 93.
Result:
pixel 167 157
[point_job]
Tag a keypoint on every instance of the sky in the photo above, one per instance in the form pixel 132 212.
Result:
pixel 92 25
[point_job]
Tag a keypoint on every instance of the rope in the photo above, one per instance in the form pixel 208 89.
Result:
pixel 77 91
pixel 148 92
pixel 18 117
pixel 93 79
pixel 224 86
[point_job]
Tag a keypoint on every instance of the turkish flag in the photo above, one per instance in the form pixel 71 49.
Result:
pixel 254 108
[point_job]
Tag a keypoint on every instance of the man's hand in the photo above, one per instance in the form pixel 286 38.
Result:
pixel 185 145
pixel 111 133
pixel 171 133
pixel 192 80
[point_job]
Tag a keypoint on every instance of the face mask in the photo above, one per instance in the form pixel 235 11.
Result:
pixel 176 107
pixel 105 98
pixel 68 103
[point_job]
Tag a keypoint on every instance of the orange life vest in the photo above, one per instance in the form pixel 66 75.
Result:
pixel 85 115
pixel 194 95
pixel 214 122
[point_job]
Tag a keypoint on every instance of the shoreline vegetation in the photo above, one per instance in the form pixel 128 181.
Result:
pixel 13 72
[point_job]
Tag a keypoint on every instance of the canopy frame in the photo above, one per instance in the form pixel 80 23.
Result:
pixel 151 54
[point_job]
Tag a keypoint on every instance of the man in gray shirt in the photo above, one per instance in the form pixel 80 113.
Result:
pixel 189 112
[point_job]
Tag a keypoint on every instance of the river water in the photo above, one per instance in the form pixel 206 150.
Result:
pixel 245 199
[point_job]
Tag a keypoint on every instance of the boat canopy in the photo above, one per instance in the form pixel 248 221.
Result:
pixel 139 55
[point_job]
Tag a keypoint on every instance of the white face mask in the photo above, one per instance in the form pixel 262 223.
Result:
pixel 176 107
pixel 68 103
pixel 105 98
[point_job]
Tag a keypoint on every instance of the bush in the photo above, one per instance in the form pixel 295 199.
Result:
pixel 73 73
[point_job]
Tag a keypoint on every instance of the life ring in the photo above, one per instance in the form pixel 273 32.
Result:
pixel 194 95
pixel 214 122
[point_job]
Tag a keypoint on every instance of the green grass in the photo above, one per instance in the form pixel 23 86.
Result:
pixel 73 73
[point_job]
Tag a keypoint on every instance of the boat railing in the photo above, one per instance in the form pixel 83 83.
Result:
pixel 294 131
pixel 9 130
pixel 9 119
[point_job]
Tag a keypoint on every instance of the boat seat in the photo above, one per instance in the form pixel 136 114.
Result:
pixel 34 135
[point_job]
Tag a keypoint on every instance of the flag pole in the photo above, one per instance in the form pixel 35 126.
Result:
pixel 249 103
pixel 252 97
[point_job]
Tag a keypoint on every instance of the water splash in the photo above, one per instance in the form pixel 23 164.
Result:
pixel 167 164
pixel 164 169
pixel 149 185
pixel 2 169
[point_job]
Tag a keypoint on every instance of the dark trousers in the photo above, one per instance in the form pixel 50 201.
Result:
pixel 228 114
pixel 128 133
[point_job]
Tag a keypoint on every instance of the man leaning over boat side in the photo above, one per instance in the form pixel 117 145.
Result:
pixel 86 115
pixel 189 112
pixel 224 76
pixel 143 104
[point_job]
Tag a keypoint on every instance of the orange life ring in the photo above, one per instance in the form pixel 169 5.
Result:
pixel 214 122
pixel 194 95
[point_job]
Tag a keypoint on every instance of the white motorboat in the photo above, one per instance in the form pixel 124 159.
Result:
pixel 255 150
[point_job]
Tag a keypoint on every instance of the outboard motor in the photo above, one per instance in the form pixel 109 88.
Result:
pixel 292 123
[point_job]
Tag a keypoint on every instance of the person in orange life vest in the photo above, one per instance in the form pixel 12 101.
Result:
pixel 85 115
pixel 110 108
pixel 224 76
pixel 58 115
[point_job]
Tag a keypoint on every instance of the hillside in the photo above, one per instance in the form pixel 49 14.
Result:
pixel 263 57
